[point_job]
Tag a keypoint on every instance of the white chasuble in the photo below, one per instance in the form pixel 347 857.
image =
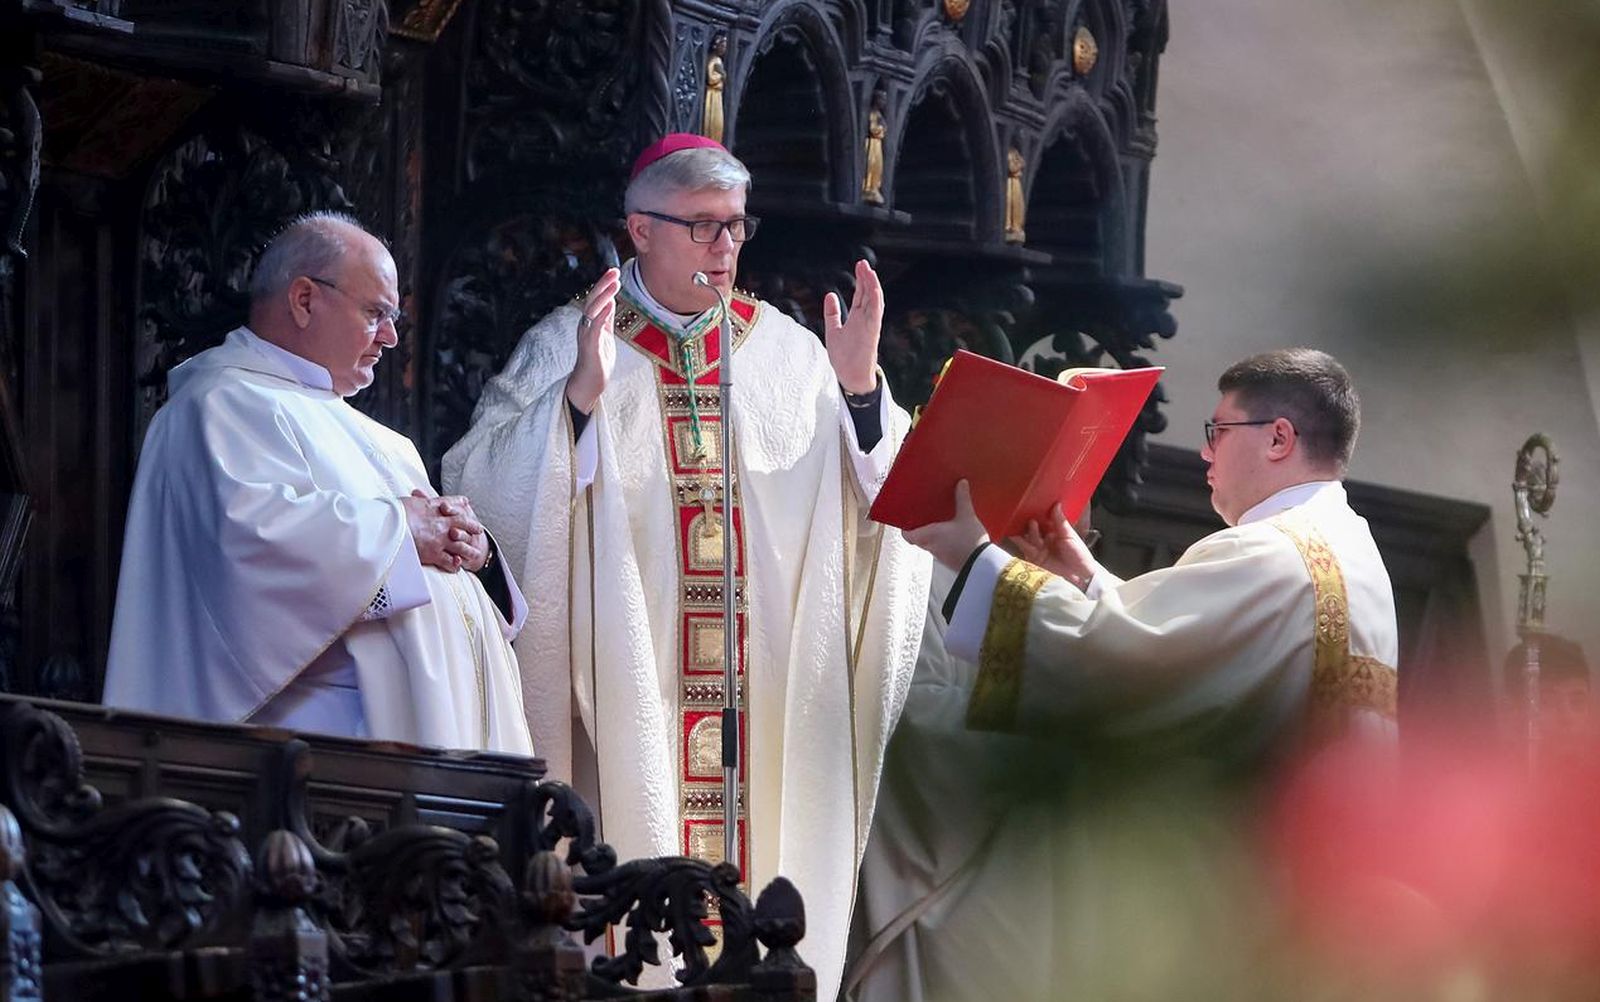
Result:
pixel 1262 635
pixel 264 522
pixel 622 654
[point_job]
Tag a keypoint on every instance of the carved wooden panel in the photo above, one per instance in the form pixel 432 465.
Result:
pixel 161 897
pixel 489 142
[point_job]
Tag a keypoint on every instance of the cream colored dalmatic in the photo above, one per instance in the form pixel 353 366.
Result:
pixel 633 650
pixel 1278 627
pixel 265 519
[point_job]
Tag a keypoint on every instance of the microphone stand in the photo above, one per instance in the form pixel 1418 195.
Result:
pixel 730 612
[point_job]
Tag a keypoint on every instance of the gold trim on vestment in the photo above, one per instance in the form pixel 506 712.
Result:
pixel 475 642
pixel 691 411
pixel 993 704
pixel 1341 683
pixel 689 363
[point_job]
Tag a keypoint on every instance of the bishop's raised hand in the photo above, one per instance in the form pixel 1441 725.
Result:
pixel 853 341
pixel 597 343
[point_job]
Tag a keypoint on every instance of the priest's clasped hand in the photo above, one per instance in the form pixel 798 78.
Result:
pixel 446 532
pixel 853 341
pixel 597 343
pixel 952 542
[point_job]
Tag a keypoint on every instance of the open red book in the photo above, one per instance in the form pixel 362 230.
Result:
pixel 1023 441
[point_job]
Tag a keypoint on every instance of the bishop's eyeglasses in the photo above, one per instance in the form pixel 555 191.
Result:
pixel 708 231
pixel 1212 426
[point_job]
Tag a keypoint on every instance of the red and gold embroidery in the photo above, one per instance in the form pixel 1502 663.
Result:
pixel 686 364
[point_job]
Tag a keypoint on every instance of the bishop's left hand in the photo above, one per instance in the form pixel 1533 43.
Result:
pixel 853 342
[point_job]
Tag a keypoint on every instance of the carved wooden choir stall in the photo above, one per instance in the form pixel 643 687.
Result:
pixel 150 858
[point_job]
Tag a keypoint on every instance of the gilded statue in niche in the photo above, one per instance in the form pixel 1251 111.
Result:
pixel 1085 51
pixel 1016 209
pixel 872 183
pixel 716 81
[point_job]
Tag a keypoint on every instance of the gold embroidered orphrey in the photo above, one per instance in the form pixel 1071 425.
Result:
pixel 686 363
pixel 993 704
pixel 1341 683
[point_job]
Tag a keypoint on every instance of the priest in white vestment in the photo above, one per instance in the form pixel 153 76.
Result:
pixel 286 560
pixel 1274 632
pixel 594 457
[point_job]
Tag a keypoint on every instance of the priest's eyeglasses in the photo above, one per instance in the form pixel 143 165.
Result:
pixel 375 313
pixel 709 231
pixel 1212 426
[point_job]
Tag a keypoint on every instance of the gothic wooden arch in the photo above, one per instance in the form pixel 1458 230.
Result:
pixel 490 140
pixel 795 43
pixel 1078 149
pixel 946 115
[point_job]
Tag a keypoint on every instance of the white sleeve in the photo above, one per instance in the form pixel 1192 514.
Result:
pixel 519 602
pixel 404 588
pixel 872 467
pixel 964 638
pixel 1101 582
pixel 586 457
pixel 1170 645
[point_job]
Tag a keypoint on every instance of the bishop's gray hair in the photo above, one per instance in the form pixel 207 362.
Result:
pixel 685 170
pixel 311 245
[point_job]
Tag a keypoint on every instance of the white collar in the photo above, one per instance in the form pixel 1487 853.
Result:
pixel 303 369
pixel 1293 497
pixel 634 281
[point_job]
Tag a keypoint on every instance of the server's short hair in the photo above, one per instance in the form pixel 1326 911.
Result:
pixel 1307 386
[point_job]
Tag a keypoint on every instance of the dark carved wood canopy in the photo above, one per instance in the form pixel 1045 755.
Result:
pixel 152 146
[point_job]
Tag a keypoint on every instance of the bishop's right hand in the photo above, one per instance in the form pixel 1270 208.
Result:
pixel 597 343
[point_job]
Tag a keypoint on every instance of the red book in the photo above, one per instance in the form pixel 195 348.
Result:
pixel 1023 441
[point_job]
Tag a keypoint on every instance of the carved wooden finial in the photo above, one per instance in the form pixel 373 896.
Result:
pixel 547 888
pixel 286 868
pixel 288 953
pixel 780 924
pixel 780 920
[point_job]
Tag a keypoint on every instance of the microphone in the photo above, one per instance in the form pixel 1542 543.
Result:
pixel 725 366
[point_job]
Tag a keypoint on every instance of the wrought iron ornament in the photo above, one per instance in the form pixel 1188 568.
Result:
pixel 1533 490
